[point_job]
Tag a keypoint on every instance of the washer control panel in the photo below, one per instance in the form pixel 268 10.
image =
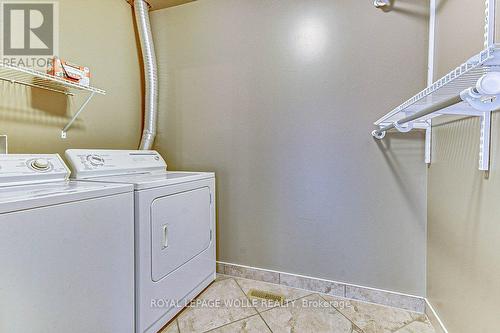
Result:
pixel 97 163
pixel 31 168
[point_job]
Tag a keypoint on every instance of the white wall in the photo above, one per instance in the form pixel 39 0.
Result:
pixel 278 97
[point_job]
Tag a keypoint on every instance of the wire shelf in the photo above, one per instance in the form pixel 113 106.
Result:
pixel 471 89
pixel 32 78
pixel 452 84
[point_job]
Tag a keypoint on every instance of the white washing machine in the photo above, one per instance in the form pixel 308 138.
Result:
pixel 66 250
pixel 174 225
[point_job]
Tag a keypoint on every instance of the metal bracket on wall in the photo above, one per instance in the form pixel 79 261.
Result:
pixel 428 143
pixel 64 131
pixel 484 141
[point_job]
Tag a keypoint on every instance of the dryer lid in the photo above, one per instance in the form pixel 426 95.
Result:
pixel 142 181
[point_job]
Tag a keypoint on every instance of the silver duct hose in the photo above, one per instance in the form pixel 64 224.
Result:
pixel 141 9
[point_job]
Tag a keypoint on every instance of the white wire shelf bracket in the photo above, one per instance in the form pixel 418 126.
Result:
pixel 472 89
pixel 36 79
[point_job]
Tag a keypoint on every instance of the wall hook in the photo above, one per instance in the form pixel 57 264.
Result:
pixel 381 3
pixel 378 135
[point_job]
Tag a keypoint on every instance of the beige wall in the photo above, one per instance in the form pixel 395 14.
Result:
pixel 159 4
pixel 459 33
pixel 464 228
pixel 463 211
pixel 278 98
pixel 98 34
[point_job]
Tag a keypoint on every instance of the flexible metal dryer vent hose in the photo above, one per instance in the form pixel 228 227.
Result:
pixel 141 9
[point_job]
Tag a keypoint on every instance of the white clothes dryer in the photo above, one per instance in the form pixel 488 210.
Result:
pixel 174 225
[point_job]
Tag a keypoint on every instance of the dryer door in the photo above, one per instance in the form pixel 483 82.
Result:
pixel 180 230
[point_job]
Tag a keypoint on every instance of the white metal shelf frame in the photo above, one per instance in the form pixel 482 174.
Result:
pixel 461 78
pixel 36 79
pixel 472 89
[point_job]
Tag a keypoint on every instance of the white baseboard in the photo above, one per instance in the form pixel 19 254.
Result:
pixel 434 318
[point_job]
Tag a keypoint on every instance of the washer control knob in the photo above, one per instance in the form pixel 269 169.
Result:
pixel 40 164
pixel 95 160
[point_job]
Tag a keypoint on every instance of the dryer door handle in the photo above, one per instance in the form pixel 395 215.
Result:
pixel 165 236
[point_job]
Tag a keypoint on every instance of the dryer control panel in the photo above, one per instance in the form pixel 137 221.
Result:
pixel 87 163
pixel 31 168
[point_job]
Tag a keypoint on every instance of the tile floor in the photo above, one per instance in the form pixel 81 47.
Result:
pixel 225 308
